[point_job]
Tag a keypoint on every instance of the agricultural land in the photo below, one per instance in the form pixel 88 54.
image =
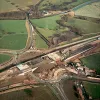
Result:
pixel 92 89
pixel 93 62
pixel 37 93
pixel 56 27
pixel 12 33
pixel 4 58
pixel 59 4
pixel 91 10
pixel 10 5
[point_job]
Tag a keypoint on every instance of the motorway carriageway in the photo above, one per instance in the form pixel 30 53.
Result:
pixel 51 51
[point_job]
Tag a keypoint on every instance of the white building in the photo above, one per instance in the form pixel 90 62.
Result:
pixel 54 56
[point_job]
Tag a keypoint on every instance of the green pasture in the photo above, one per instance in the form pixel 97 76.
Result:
pixel 15 42
pixel 47 22
pixel 92 89
pixel 46 32
pixel 13 34
pixel 93 62
pixel 17 26
pixel 47 26
pixel 84 25
pixel 91 10
pixel 4 58
pixel 40 43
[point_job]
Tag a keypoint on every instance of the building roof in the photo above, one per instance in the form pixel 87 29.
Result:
pixel 22 67
pixel 54 56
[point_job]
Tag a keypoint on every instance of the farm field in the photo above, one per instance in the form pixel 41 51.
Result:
pixel 92 89
pixel 4 58
pixel 90 10
pixel 55 1
pixel 48 22
pixel 40 43
pixel 68 89
pixel 12 33
pixel 12 5
pixel 39 93
pixel 14 42
pixel 93 62
pixel 85 26
pixel 60 4
pixel 48 26
pixel 46 3
pixel 46 32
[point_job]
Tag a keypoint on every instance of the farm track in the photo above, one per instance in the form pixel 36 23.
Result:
pixel 16 89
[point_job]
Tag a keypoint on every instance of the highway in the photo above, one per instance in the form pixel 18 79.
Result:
pixel 49 51
pixel 56 88
pixel 88 79
pixel 55 91
pixel 31 43
pixel 61 92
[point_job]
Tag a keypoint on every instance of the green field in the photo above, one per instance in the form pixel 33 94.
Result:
pixel 13 34
pixel 92 89
pixel 40 43
pixel 48 26
pixel 46 32
pixel 84 25
pixel 48 22
pixel 15 42
pixel 6 6
pixel 4 58
pixel 93 62
pixel 91 10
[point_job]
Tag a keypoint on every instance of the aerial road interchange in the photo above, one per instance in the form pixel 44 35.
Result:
pixel 32 67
